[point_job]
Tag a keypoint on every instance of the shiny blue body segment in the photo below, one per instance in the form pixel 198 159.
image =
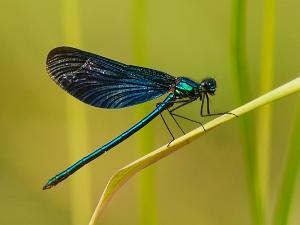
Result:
pixel 76 166
pixel 105 83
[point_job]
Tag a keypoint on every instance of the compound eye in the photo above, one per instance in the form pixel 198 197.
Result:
pixel 211 84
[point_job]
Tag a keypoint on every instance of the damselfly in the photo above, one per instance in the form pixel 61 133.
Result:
pixel 106 83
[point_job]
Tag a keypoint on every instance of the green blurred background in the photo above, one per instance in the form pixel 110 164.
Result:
pixel 204 183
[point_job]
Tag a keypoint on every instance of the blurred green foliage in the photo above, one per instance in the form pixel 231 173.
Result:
pixel 190 38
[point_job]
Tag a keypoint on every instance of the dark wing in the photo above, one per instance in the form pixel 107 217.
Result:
pixel 102 82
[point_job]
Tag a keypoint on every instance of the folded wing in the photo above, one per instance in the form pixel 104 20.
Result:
pixel 103 82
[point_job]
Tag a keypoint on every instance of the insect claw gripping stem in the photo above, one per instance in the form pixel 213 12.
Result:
pixel 219 114
pixel 170 143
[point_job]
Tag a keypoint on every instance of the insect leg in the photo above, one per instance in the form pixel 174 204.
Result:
pixel 208 111
pixel 184 102
pixel 172 115
pixel 183 117
pixel 167 128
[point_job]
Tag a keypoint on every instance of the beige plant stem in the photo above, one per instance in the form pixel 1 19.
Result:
pixel 125 173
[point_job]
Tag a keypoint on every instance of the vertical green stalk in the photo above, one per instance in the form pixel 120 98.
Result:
pixel 76 123
pixel 265 113
pixel 146 181
pixel 239 66
pixel 289 182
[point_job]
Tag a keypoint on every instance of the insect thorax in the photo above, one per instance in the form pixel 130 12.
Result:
pixel 185 87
